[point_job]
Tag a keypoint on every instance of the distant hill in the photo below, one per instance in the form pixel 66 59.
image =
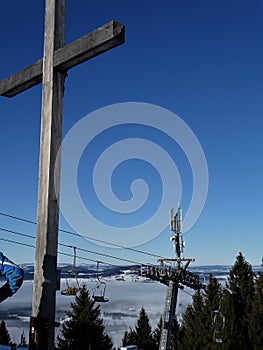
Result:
pixel 120 272
pixel 87 271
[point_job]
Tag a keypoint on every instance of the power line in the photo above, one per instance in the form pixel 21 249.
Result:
pixel 82 258
pixel 12 241
pixel 61 253
pixel 86 237
pixel 17 233
pixel 103 254
pixel 70 246
pixel 17 218
pixel 70 255
pixel 112 244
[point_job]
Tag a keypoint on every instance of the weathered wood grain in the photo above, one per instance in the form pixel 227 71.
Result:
pixel 90 45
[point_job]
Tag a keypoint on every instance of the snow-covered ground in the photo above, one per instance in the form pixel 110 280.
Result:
pixel 126 293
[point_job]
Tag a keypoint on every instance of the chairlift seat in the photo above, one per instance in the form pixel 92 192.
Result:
pixel 99 292
pixel 218 326
pixel 219 340
pixel 70 290
pixel 100 299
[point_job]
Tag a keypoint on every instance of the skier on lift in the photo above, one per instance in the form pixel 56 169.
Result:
pixel 14 276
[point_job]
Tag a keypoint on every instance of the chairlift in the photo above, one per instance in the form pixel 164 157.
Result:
pixel 99 290
pixel 72 283
pixel 218 324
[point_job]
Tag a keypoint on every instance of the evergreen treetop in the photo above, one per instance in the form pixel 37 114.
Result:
pixel 256 318
pixel 84 329
pixel 5 338
pixel 238 298
pixel 142 335
pixel 239 303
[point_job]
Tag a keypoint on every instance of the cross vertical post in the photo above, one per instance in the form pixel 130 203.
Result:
pixel 45 270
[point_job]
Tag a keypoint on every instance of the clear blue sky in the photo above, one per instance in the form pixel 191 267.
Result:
pixel 202 60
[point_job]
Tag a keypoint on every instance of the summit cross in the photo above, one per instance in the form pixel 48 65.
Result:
pixel 51 71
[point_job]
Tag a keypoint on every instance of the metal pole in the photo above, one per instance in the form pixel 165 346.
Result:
pixel 169 313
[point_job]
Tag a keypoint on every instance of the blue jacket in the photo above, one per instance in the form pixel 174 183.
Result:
pixel 14 276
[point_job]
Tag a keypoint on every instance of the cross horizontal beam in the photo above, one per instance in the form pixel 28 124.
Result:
pixel 90 45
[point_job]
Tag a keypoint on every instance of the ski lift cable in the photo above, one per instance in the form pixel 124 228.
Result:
pixel 70 255
pixel 84 258
pixel 70 246
pixel 17 233
pixel 17 218
pixel 87 237
pixel 81 249
pixel 104 254
pixel 59 252
pixel 20 243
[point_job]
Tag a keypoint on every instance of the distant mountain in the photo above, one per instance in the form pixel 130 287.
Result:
pixel 129 272
pixel 87 271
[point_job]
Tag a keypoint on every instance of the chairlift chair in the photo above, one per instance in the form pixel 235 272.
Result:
pixel 218 324
pixel 218 320
pixel 99 290
pixel 72 283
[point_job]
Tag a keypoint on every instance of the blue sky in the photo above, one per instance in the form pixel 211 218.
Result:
pixel 200 60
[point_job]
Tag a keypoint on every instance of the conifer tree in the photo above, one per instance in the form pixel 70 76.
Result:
pixel 129 338
pixel 193 323
pixel 212 303
pixel 241 283
pixel 84 330
pixel 256 316
pixel 228 310
pixel 176 336
pixel 141 335
pixel 237 304
pixel 157 333
pixel 196 331
pixel 144 331
pixel 4 335
pixel 240 302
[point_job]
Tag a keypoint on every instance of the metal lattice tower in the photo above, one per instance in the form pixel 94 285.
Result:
pixel 170 306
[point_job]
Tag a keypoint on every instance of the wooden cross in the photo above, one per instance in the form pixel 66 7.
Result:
pixel 51 71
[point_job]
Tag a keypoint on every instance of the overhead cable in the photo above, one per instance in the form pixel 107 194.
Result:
pixel 87 237
pixel 70 246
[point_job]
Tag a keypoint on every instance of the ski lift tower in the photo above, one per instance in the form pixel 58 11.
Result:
pixel 175 276
pixel 176 279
